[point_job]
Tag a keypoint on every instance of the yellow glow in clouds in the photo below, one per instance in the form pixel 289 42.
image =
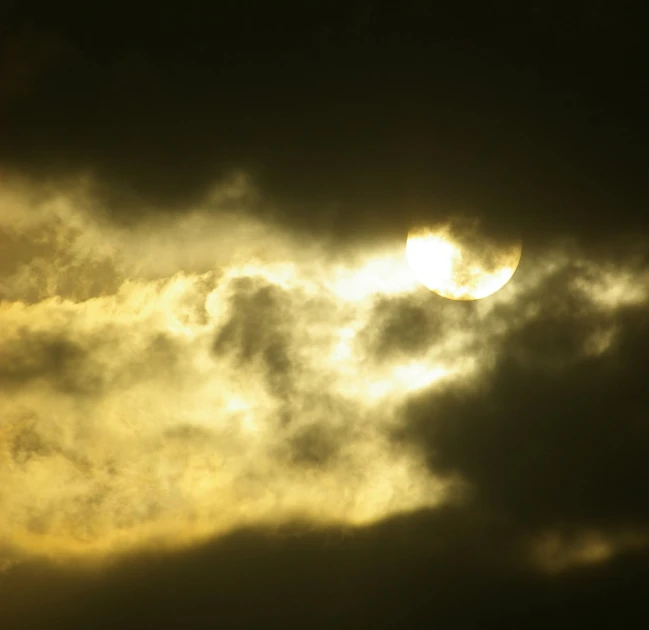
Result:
pixel 457 262
pixel 187 376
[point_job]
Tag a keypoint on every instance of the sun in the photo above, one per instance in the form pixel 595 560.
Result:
pixel 458 261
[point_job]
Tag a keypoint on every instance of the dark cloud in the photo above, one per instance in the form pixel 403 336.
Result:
pixel 259 330
pixel 443 567
pixel 313 445
pixel 353 120
pixel 322 427
pixel 30 357
pixel 74 364
pixel 401 327
pixel 553 436
pixel 263 331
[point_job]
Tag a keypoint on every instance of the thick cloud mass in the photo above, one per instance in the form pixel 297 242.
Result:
pixel 290 382
pixel 224 398
pixel 193 402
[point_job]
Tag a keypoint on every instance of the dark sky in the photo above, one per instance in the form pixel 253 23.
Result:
pixel 353 118
pixel 354 105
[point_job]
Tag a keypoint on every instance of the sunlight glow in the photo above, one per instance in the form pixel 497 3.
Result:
pixel 444 267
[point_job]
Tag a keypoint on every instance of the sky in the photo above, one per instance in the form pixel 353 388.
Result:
pixel 225 398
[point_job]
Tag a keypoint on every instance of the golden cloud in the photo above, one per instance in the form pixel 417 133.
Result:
pixel 194 373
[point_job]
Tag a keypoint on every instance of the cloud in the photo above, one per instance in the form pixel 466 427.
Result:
pixel 223 392
pixel 555 436
pixel 181 405
pixel 444 565
pixel 351 145
pixel 28 359
pixel 267 378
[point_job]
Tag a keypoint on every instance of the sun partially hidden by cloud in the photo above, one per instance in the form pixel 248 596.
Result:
pixel 459 270
pixel 195 374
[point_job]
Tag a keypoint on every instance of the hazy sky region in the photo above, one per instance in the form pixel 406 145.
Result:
pixel 225 398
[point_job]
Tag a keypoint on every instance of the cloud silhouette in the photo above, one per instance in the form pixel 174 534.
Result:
pixel 446 566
